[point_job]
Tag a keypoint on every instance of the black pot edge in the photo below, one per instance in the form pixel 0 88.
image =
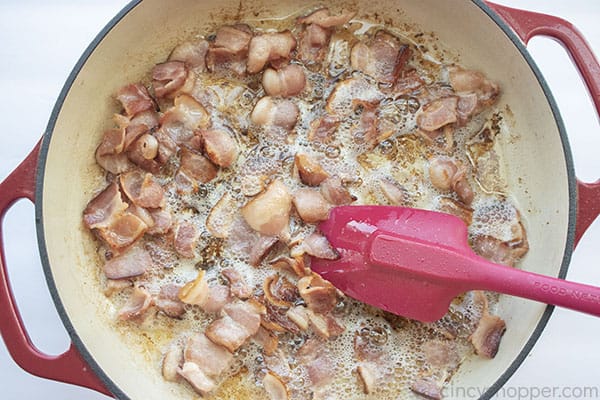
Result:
pixel 87 356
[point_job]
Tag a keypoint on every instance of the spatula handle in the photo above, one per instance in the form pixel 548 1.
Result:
pixel 558 292
pixel 461 270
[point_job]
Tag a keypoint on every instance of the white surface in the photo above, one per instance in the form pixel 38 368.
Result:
pixel 41 41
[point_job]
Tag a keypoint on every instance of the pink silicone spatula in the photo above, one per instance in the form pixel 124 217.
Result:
pixel 413 262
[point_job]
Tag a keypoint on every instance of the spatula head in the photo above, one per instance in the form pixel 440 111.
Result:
pixel 351 230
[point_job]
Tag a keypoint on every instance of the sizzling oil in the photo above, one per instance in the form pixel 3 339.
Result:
pixel 402 157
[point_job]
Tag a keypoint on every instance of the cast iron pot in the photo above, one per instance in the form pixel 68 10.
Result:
pixel 60 174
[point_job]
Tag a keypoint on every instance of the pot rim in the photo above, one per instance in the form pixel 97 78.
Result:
pixel 39 189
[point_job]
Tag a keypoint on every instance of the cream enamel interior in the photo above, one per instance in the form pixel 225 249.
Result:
pixel 535 160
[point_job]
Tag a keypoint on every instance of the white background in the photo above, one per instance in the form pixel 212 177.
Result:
pixel 40 41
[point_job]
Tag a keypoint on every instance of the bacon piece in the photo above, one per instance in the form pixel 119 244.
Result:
pixel 135 98
pixel 221 216
pixel 230 49
pixel 276 198
pixel 211 358
pixel 147 145
pixel 382 57
pixel 428 387
pixel 269 47
pixel 221 59
pixel 466 107
pixel 322 129
pixel 168 77
pixel 172 361
pixel 114 163
pixel 142 189
pixel 323 18
pixel 197 167
pixel 295 265
pixel 279 291
pixel 320 295
pixel 113 286
pixel 393 192
pixel 467 81
pixel 162 222
pixel 335 193
pixel 325 326
pixel 237 285
pixel 317 362
pixel 113 142
pixel 310 171
pixel 445 174
pixel 138 303
pixel 180 121
pixel 260 249
pixel 351 92
pixel 168 301
pixel 407 82
pixel 235 38
pixel 149 118
pixel 498 251
pixel 210 299
pixel 451 206
pixel 316 245
pixel 313 44
pixel 198 379
pixel 438 113
pixel 122 231
pixel 267 340
pixel 218 297
pixel 109 154
pixel 219 147
pixel 299 315
pixel 490 329
pixel 441 172
pixel 142 152
pixel 270 112
pixel 103 208
pixel 368 377
pixel 441 354
pixel 140 124
pixel 365 130
pixel 142 214
pixel 167 147
pixel 133 263
pixel 276 320
pixel 186 236
pixel 240 322
pixel 285 82
pixel 192 53
pixel 274 386
pixel 311 205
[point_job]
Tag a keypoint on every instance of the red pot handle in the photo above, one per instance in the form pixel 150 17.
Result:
pixel 68 367
pixel 528 24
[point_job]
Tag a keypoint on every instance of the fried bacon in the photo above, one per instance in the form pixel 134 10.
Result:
pixel 383 57
pixel 133 263
pixel 285 82
pixel 276 198
pixel 269 47
pixel 168 77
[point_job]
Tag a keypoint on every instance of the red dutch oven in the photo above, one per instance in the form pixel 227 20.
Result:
pixel 60 181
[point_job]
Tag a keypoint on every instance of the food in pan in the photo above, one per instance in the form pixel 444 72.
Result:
pixel 220 166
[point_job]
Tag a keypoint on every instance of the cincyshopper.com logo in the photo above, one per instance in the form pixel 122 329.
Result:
pixel 525 392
